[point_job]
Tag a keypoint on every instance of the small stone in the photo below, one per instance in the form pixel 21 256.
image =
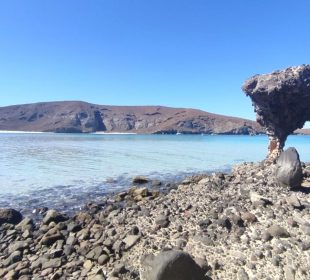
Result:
pixel 203 263
pixel 135 230
pixel 162 221
pixel 293 201
pixel 276 260
pixel 291 222
pixel 25 224
pixel 26 234
pixel 206 240
pixel 277 231
pixel 216 265
pixel 73 227
pixel 71 240
pixel 46 272
pixel 172 265
pixel 11 274
pixel 83 217
pixel 13 258
pixel 306 229
pixel 224 222
pixel 53 263
pixel 118 246
pixel 289 273
pixel 242 275
pixel 68 250
pixel 266 236
pixel 18 246
pixel 88 265
pixel 95 253
pixel 204 223
pixel 180 243
pixel 49 239
pixel 304 246
pixel 130 241
pixel 143 192
pixel 237 220
pixel 119 269
pixel 103 259
pixel 56 276
pixel 248 217
pixel 258 200
pixel 53 216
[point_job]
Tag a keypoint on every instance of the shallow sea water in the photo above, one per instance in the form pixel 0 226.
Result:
pixel 65 170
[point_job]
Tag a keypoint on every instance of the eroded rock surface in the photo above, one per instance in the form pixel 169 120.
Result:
pixel 281 100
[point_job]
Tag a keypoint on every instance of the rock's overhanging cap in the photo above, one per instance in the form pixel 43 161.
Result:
pixel 282 101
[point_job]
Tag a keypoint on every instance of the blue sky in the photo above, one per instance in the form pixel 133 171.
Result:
pixel 194 53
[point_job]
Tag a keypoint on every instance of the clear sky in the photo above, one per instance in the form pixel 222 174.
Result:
pixel 193 53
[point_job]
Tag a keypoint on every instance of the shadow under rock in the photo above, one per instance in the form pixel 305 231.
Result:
pixel 305 190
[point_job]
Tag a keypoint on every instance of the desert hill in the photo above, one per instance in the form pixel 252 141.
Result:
pixel 82 117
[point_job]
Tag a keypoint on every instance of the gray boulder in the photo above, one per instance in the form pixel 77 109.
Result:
pixel 53 216
pixel 10 216
pixel 170 265
pixel 288 169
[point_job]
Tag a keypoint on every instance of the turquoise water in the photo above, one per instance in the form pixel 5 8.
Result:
pixel 66 164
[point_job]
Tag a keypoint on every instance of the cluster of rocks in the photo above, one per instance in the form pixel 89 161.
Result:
pixel 242 225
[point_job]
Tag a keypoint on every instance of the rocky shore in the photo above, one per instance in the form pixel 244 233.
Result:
pixel 241 225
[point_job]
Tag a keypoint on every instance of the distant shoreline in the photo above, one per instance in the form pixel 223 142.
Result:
pixel 21 132
pixel 305 132
pixel 114 133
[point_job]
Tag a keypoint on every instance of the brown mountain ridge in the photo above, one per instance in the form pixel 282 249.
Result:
pixel 82 117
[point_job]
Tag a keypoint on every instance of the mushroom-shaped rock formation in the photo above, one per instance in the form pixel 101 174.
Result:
pixel 282 103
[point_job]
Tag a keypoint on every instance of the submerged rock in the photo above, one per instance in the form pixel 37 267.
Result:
pixel 288 169
pixel 140 180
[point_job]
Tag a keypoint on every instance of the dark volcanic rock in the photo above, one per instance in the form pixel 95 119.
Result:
pixel 171 265
pixel 10 216
pixel 289 171
pixel 140 180
pixel 281 100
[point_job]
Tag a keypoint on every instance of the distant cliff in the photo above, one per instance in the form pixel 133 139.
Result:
pixel 82 117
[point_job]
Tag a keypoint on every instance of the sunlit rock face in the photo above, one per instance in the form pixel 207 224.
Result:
pixel 282 103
